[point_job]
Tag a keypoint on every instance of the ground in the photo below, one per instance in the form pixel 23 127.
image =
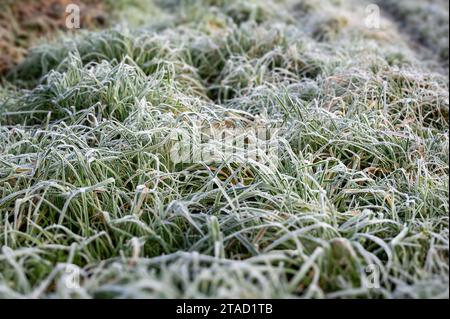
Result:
pixel 94 203
pixel 24 23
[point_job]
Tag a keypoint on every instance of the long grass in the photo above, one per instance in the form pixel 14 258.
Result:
pixel 87 180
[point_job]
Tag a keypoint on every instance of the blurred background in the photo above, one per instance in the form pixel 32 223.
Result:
pixel 26 23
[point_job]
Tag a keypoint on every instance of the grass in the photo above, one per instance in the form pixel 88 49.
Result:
pixel 87 179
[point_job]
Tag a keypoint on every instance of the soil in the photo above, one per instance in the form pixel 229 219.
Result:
pixel 23 23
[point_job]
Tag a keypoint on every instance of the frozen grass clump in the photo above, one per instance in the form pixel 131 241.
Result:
pixel 110 91
pixel 359 186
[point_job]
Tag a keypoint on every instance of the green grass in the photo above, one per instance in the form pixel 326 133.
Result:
pixel 361 181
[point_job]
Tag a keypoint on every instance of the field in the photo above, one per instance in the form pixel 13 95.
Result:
pixel 354 204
